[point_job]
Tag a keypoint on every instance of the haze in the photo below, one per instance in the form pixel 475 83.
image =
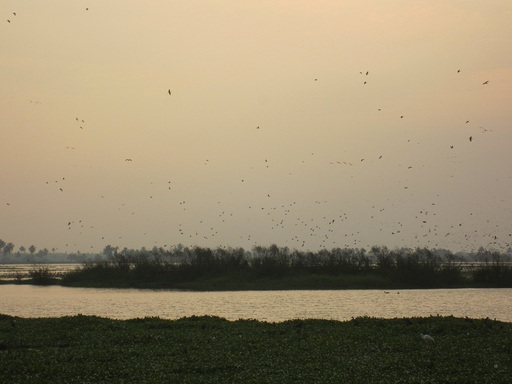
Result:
pixel 308 124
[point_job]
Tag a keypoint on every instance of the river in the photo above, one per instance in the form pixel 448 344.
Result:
pixel 22 271
pixel 271 306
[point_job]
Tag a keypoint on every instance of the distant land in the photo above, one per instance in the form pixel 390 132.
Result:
pixel 277 268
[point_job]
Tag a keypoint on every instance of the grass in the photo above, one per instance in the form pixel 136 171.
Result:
pixel 300 281
pixel 84 349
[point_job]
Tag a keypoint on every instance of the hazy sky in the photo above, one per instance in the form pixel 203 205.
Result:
pixel 273 133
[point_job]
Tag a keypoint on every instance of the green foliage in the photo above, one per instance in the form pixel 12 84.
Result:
pixel 83 349
pixel 495 270
pixel 42 276
pixel 280 268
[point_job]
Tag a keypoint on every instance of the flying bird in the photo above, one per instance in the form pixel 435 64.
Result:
pixel 470 138
pixel 169 92
pixel 485 82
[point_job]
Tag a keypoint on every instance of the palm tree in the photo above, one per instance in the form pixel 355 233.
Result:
pixel 8 248
pixel 110 251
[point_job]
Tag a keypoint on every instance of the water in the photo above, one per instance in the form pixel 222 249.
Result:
pixel 21 271
pixel 272 306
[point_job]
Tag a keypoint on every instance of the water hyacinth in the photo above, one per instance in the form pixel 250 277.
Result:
pixel 88 349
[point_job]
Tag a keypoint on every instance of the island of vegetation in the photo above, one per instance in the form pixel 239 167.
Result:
pixel 84 349
pixel 279 268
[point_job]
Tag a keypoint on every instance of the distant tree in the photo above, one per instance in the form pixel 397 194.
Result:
pixel 32 249
pixel 22 249
pixel 42 253
pixel 2 244
pixel 8 248
pixel 109 251
pixel 384 258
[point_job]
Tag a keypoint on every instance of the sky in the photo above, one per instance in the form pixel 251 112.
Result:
pixel 306 124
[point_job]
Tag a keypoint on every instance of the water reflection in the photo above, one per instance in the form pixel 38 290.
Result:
pixel 22 271
pixel 273 306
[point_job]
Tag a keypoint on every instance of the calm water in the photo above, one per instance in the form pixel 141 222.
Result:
pixel 21 271
pixel 274 306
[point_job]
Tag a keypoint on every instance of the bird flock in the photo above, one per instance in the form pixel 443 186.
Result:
pixel 261 203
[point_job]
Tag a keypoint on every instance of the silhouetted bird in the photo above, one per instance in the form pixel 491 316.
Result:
pixel 470 138
pixel 485 82
pixel 169 91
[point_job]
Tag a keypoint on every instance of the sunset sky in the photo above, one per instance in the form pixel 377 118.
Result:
pixel 308 124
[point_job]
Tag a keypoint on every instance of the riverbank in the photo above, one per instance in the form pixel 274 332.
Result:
pixel 274 268
pixel 85 277
pixel 83 349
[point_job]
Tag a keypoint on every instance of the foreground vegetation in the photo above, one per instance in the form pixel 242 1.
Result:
pixel 84 349
pixel 279 268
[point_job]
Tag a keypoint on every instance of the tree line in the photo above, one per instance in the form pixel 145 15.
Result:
pixel 378 267
pixel 7 249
